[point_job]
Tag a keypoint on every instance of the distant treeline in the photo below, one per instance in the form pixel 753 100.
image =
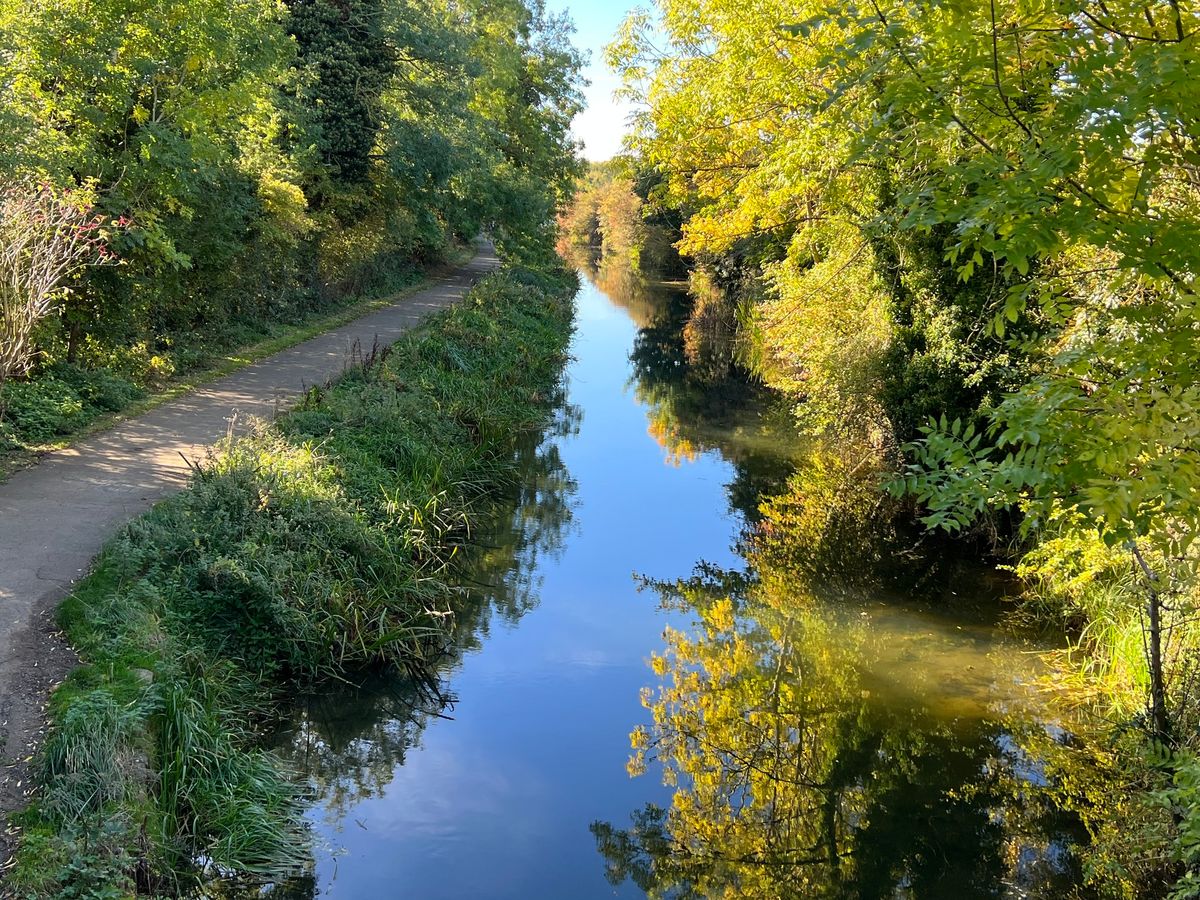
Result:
pixel 612 212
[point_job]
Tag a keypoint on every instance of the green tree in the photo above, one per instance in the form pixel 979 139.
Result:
pixel 346 63
pixel 169 109
pixel 270 156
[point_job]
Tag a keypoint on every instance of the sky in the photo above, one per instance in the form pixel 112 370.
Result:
pixel 603 124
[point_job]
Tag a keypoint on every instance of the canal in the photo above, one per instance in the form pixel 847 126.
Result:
pixel 662 687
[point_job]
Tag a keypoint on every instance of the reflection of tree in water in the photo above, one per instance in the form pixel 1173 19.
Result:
pixel 348 743
pixel 499 573
pixel 698 399
pixel 620 282
pixel 793 776
pixel 797 770
pixel 690 400
pixel 301 887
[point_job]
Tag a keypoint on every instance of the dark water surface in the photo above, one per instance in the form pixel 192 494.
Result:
pixel 869 741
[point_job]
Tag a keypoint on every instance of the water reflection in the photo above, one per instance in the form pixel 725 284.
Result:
pixel 686 374
pixel 806 759
pixel 843 718
pixel 624 286
pixel 500 575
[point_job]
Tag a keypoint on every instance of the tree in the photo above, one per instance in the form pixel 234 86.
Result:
pixel 46 239
pixel 346 63
pixel 990 209
pixel 273 156
pixel 170 110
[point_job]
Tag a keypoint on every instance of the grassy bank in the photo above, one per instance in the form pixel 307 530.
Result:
pixel 66 401
pixel 316 547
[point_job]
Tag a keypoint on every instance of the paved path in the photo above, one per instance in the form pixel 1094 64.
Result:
pixel 55 516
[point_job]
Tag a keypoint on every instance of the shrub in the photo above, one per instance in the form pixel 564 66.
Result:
pixel 40 410
pixel 100 390
pixel 61 400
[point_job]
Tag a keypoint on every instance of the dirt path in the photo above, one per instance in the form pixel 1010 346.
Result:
pixel 56 516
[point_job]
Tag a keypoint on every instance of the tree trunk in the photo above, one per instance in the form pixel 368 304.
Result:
pixel 74 336
pixel 1159 720
pixel 1158 691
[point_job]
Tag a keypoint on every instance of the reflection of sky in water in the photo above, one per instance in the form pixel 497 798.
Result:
pixel 497 803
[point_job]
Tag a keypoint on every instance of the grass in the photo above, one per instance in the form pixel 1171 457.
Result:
pixel 315 548
pixel 21 447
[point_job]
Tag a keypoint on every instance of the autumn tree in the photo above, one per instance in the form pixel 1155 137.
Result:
pixel 46 238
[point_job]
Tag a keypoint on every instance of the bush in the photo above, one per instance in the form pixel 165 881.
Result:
pixel 61 400
pixel 100 390
pixel 40 410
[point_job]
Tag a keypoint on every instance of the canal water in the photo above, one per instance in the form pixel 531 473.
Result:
pixel 643 700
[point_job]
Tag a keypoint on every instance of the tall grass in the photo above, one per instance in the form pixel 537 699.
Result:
pixel 1099 596
pixel 313 548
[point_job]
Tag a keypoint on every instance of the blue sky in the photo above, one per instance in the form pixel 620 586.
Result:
pixel 602 125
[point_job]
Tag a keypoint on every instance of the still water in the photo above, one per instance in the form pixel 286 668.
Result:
pixel 799 729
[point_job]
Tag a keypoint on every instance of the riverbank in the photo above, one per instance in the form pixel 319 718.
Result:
pixel 306 550
pixel 55 517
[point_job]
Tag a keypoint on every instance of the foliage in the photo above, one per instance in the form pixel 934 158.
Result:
pixel 61 400
pixel 306 551
pixel 608 212
pixel 992 131
pixel 1182 796
pixel 45 241
pixel 972 229
pixel 347 63
pixel 265 159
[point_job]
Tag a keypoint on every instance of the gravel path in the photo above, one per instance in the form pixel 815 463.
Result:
pixel 56 516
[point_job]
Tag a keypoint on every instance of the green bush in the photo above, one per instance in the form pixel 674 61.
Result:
pixel 99 390
pixel 60 400
pixel 42 409
pixel 1182 797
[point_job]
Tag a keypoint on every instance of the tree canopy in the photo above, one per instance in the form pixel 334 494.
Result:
pixel 260 154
